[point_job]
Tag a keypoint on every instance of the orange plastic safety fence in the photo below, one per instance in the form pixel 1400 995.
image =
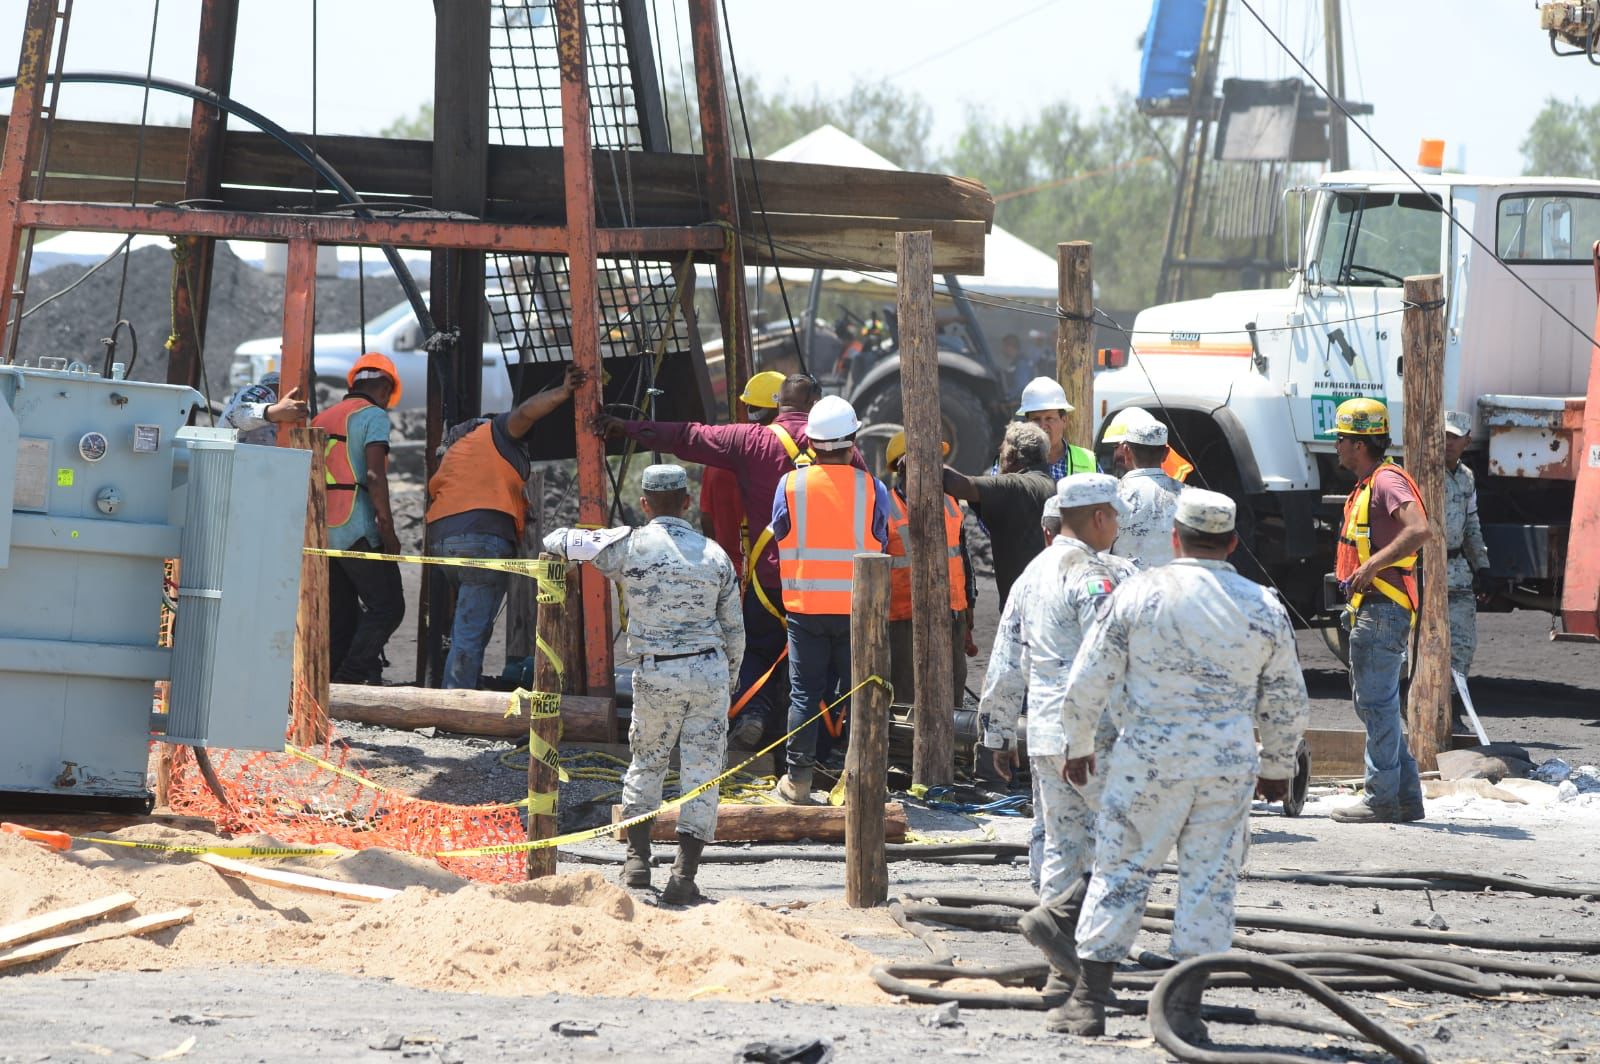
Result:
pixel 297 801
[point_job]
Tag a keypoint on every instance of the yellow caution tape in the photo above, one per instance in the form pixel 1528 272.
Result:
pixel 553 574
pixel 621 825
pixel 220 851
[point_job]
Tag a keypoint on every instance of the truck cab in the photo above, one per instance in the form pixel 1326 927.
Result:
pixel 1249 381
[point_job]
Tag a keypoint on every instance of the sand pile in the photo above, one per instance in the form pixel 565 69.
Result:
pixel 569 934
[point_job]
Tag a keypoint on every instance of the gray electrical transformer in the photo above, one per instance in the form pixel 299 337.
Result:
pixel 100 484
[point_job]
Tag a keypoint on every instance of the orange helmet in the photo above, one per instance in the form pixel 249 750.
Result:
pixel 374 361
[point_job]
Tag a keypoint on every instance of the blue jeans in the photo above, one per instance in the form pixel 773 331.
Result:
pixel 479 593
pixel 1377 658
pixel 819 662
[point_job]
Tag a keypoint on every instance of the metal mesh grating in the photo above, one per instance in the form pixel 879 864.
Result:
pixel 529 297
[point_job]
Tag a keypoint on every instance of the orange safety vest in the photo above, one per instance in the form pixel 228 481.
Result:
pixel 474 475
pixel 1176 466
pixel 900 553
pixel 340 476
pixel 1355 543
pixel 831 508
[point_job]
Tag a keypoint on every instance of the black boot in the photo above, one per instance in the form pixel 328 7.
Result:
pixel 680 888
pixel 1084 1014
pixel 636 869
pixel 1183 1011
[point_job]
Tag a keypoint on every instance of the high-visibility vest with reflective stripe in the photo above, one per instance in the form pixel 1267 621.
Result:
pixel 474 475
pixel 1176 466
pixel 1355 543
pixel 900 555
pixel 830 521
pixel 340 477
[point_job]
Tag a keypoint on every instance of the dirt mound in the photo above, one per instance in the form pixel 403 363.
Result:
pixel 572 933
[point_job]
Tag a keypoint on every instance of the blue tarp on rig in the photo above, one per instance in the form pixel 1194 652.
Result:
pixel 1171 46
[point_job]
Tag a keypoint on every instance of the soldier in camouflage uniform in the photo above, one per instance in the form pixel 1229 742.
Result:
pixel 1151 495
pixel 1197 654
pixel 686 637
pixel 1005 681
pixel 1467 574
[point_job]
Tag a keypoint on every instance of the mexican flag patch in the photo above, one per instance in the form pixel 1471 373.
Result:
pixel 1098 585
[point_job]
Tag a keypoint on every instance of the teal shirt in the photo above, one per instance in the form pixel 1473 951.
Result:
pixel 370 424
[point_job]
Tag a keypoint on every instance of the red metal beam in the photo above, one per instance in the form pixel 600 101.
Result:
pixel 584 290
pixel 716 138
pixel 667 242
pixel 299 322
pixel 191 283
pixel 17 160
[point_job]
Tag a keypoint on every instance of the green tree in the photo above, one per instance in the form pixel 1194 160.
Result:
pixel 418 126
pixel 1564 140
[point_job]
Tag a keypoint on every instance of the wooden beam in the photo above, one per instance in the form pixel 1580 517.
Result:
pixel 550 660
pixel 1422 338
pixel 328 888
pixel 191 280
pixel 299 322
pixel 308 698
pixel 775 823
pixel 866 864
pixel 933 752
pixel 1075 338
pixel 17 160
pixel 49 947
pixel 583 717
pixel 863 243
pixel 49 923
pixel 521 608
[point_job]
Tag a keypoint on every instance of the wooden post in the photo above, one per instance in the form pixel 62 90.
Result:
pixel 933 753
pixel 1428 702
pixel 1075 338
pixel 541 777
pixel 866 864
pixel 299 323
pixel 521 609
pixel 308 697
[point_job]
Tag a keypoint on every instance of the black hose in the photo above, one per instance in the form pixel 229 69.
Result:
pixel 1343 929
pixel 1277 973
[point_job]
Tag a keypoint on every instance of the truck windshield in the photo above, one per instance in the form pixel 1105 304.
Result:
pixel 1377 239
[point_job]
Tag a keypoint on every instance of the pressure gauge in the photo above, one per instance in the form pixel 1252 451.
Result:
pixel 93 446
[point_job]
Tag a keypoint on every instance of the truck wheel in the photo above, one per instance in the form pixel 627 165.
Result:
pixel 966 426
pixel 1338 641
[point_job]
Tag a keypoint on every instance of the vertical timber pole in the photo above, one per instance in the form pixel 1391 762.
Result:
pixel 193 256
pixel 1333 48
pixel 308 698
pixel 933 749
pixel 1075 338
pixel 716 137
pixel 21 147
pixel 542 779
pixel 578 166
pixel 521 606
pixel 1428 701
pixel 299 321
pixel 866 862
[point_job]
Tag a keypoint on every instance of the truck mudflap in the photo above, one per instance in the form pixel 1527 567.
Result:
pixel 1580 595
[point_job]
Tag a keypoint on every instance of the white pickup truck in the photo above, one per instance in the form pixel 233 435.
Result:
pixel 1249 381
pixel 395 333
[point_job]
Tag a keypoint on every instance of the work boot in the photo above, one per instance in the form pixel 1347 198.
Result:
pixel 794 787
pixel 636 869
pixel 1084 1013
pixel 746 732
pixel 680 887
pixel 1047 931
pixel 1183 1011
pixel 1363 812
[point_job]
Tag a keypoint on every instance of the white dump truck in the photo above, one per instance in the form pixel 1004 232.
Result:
pixel 1248 381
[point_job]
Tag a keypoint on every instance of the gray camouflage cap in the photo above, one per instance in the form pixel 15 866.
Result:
pixel 1205 511
pixel 664 478
pixel 1089 489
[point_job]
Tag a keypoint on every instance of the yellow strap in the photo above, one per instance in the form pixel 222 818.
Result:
pixel 1359 532
pixel 749 576
pixel 792 448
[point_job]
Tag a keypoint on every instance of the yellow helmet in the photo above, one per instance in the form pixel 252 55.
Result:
pixel 1361 417
pixel 1125 419
pixel 762 390
pixel 896 449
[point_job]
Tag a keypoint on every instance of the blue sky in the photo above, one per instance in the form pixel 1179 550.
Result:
pixel 1473 72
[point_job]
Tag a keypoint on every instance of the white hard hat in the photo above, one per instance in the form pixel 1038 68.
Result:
pixel 1043 393
pixel 1125 419
pixel 832 419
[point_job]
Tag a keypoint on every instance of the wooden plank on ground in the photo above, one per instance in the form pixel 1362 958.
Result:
pixel 776 823
pixel 1336 751
pixel 49 947
pixel 583 717
pixel 332 888
pixel 57 919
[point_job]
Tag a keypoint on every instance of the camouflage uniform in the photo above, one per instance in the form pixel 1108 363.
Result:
pixel 1463 538
pixel 683 604
pixel 1201 654
pixel 1063 612
pixel 1145 535
pixel 246 411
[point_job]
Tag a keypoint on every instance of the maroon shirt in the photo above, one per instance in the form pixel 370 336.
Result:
pixel 753 452
pixel 1390 491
